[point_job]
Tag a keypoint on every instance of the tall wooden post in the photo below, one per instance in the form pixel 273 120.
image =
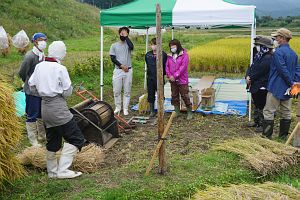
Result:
pixel 160 91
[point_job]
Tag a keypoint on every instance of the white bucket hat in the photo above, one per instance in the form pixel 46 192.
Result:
pixel 57 49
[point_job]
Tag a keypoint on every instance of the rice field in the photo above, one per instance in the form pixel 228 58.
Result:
pixel 226 55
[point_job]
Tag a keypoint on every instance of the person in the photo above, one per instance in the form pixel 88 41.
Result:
pixel 281 79
pixel 177 73
pixel 257 78
pixel 120 53
pixel 34 125
pixel 52 82
pixel 150 59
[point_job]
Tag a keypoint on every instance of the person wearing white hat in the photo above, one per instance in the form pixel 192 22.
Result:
pixel 52 82
pixel 34 125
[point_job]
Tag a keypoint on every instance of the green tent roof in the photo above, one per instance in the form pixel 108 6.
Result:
pixel 145 16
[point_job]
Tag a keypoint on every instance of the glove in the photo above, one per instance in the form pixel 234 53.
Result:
pixel 295 90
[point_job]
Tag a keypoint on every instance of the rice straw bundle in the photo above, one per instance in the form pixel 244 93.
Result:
pixel 7 50
pixel 10 136
pixel 264 191
pixel 263 155
pixel 87 160
pixel 144 105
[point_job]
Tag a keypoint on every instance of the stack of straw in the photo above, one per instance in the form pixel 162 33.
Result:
pixel 87 160
pixel 263 155
pixel 264 191
pixel 144 105
pixel 10 136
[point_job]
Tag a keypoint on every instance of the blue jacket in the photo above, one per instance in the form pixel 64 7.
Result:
pixel 284 71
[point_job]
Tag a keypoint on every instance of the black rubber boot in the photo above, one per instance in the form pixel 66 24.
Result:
pixel 268 128
pixel 284 128
pixel 255 119
pixel 152 111
pixel 259 128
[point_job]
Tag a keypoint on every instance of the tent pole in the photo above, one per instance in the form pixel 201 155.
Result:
pixel 101 64
pixel 145 76
pixel 253 33
pixel 172 33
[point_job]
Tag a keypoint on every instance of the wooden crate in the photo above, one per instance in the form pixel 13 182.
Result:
pixel 194 98
pixel 208 98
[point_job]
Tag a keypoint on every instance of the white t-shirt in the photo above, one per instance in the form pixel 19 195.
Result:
pixel 50 79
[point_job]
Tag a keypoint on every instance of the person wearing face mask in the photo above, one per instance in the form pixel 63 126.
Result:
pixel 120 54
pixel 177 73
pixel 150 59
pixel 52 82
pixel 34 125
pixel 257 78
pixel 283 75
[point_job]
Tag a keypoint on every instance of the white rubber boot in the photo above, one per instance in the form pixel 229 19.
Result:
pixel 67 155
pixel 52 165
pixel 41 132
pixel 32 133
pixel 126 101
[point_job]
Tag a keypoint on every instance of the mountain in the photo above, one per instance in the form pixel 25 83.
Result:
pixel 58 19
pixel 274 8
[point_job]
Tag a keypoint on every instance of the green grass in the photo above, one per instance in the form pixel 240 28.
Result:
pixel 59 19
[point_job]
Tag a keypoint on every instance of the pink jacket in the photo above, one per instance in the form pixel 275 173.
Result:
pixel 179 68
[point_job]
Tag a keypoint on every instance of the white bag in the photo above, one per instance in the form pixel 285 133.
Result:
pixel 20 40
pixel 3 39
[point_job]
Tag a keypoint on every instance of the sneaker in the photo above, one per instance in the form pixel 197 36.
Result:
pixel 125 112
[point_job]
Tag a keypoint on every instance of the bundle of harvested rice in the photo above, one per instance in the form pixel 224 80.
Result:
pixel 263 155
pixel 10 136
pixel 144 105
pixel 264 191
pixel 87 160
pixel 6 51
pixel 21 42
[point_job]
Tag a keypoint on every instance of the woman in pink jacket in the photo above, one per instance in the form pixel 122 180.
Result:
pixel 177 73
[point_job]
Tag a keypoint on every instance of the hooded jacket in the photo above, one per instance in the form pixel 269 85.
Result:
pixel 178 68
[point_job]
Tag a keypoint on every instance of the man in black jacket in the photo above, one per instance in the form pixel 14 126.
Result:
pixel 257 78
pixel 150 59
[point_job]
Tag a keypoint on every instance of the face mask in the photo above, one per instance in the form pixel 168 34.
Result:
pixel 276 44
pixel 174 50
pixel 153 47
pixel 257 48
pixel 123 38
pixel 42 45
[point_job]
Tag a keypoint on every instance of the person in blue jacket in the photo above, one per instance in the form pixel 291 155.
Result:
pixel 257 78
pixel 283 75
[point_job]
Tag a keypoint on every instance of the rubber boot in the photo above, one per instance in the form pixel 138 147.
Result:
pixel 268 128
pixel 255 119
pixel 284 128
pixel 259 127
pixel 52 165
pixel 152 111
pixel 126 101
pixel 67 155
pixel 41 132
pixel 296 142
pixel 177 110
pixel 189 113
pixel 32 133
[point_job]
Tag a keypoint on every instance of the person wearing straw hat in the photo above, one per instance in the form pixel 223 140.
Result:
pixel 282 77
pixel 52 82
pixel 257 78
pixel 34 125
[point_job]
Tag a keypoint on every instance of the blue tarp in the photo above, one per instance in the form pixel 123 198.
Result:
pixel 20 103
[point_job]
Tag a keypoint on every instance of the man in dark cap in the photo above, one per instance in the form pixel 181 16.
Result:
pixel 34 125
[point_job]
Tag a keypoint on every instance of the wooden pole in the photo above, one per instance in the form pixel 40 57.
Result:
pixel 156 151
pixel 160 92
pixel 292 134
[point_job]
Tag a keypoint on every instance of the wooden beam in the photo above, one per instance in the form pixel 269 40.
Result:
pixel 158 147
pixel 160 91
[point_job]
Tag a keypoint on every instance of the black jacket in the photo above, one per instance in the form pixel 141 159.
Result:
pixel 150 59
pixel 259 73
